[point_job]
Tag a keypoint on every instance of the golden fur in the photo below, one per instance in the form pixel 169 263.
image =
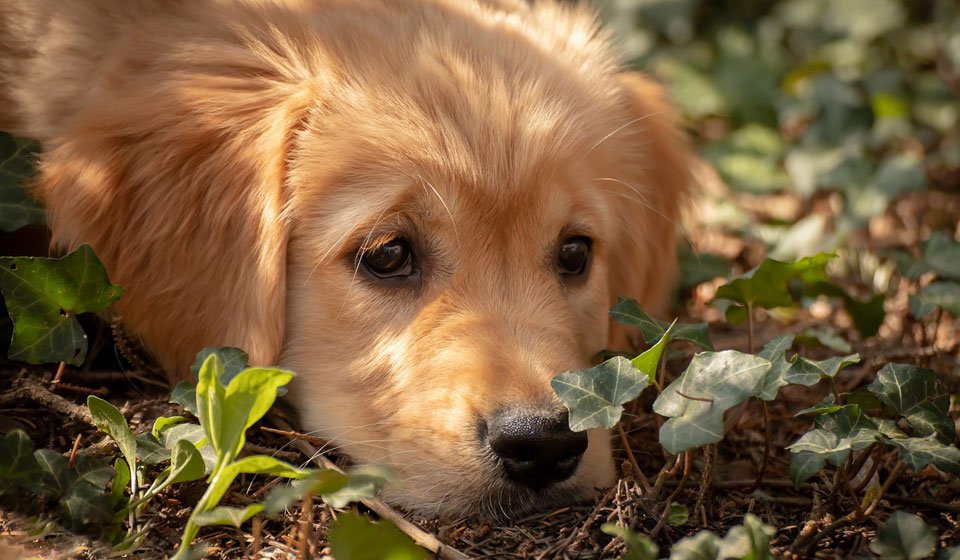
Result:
pixel 227 160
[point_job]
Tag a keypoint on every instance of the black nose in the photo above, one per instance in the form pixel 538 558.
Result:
pixel 536 449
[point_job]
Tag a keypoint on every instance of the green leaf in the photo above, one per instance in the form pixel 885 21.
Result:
pixel 917 395
pixel 751 540
pixel 54 477
pixel 930 450
pixel 677 515
pixel 648 361
pixel 705 545
pixel 121 479
pixel 44 295
pixel 247 398
pixel 226 515
pixel 697 268
pixel 904 537
pixel 109 421
pixel 942 254
pixel 695 401
pixel 186 463
pixel 363 483
pixel 195 434
pixel 775 352
pixel 85 506
pixel 767 285
pixel 938 294
pixel 17 167
pixel 595 396
pixel 809 372
pixel 357 538
pixel 639 547
pixel 150 451
pixel 17 462
pixel 836 436
pixel 264 464
pixel 234 361
pixel 628 312
pixel 867 315
pixel 211 397
pixel 162 423
pixel 185 394
pixel 804 464
pixel 323 481
pixel 828 337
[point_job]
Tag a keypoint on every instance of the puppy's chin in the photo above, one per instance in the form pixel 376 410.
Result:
pixel 485 492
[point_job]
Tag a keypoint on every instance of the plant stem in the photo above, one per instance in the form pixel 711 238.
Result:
pixel 633 460
pixel 750 328
pixel 766 449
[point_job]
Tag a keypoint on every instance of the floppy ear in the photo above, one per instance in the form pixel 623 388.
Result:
pixel 658 164
pixel 175 176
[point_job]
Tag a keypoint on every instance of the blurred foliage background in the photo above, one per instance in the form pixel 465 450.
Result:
pixel 841 104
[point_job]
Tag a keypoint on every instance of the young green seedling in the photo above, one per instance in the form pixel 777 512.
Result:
pixel 225 413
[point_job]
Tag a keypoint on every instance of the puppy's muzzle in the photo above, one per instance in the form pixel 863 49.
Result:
pixel 535 449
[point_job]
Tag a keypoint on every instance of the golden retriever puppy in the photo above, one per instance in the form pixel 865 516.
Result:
pixel 424 208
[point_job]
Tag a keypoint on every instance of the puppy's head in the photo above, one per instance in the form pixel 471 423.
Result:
pixel 426 227
pixel 462 228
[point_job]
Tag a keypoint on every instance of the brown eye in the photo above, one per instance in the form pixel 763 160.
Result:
pixel 392 259
pixel 573 256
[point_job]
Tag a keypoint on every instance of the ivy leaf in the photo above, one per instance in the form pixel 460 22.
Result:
pixel 17 463
pixel 226 515
pixel 44 295
pixel 809 372
pixel 942 254
pixel 775 352
pixel 677 515
pixel 628 312
pixel 938 294
pixel 639 547
pixel 696 401
pixel 595 396
pixel 149 450
pixel 17 167
pixel 836 436
pixel 185 394
pixel 916 394
pixel 767 286
pixel 904 537
pixel 234 361
pixel 930 450
pixel 804 464
pixel 355 537
pixel 649 361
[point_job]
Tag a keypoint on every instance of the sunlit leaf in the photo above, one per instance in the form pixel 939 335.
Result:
pixel 767 285
pixel 226 515
pixel 110 421
pixel 695 401
pixel 234 361
pixel 363 483
pixel 43 297
pixel 595 396
pixel 323 481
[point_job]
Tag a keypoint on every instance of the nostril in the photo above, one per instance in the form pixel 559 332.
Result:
pixel 535 449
